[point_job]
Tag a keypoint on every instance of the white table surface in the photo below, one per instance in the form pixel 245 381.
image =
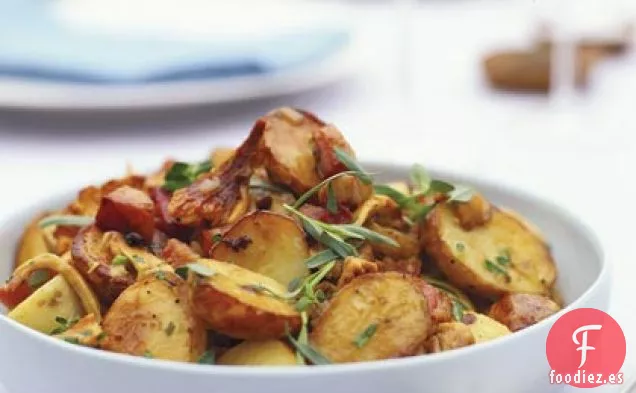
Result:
pixel 584 161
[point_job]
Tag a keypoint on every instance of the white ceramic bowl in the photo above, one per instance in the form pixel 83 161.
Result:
pixel 31 362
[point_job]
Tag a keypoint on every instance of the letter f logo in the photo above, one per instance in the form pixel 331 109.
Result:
pixel 583 344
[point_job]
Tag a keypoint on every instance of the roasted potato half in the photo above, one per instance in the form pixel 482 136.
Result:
pixel 87 331
pixel 483 327
pixel 153 318
pixel 375 316
pixel 54 299
pixel 267 243
pixel 520 310
pixel 259 353
pixel 287 149
pixel 502 256
pixel 243 304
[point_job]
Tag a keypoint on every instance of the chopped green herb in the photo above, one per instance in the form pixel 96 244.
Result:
pixel 459 246
pixel 302 304
pixel 261 289
pixel 148 354
pixel 101 336
pixel 201 270
pixel 503 258
pixel 72 340
pixel 458 310
pixel 207 358
pixel 38 278
pixel 353 165
pixel 160 275
pixel 461 193
pixel 170 328
pixel 138 259
pixel 332 202
pixel 420 178
pixel 321 258
pixel 182 174
pixel 306 196
pixel 182 271
pixel 308 352
pixel 217 237
pixel 494 268
pixel 364 337
pixel 263 185
pixel 66 220
pixel 119 260
pixel 64 325
pixel 294 284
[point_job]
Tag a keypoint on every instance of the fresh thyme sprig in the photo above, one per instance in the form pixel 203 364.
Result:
pixel 416 206
pixel 335 236
pixel 304 350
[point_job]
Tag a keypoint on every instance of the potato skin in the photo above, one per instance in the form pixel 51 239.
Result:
pixel 519 310
pixel 154 317
pixel 531 268
pixel 393 301
pixel 259 353
pixel 127 210
pixel 231 308
pixel 270 244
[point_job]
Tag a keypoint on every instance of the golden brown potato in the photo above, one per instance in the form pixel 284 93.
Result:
pixel 54 299
pixel 61 267
pixel 220 155
pixel 449 335
pixel 87 331
pixel 127 210
pixel 266 243
pixel 220 196
pixel 500 257
pixel 240 303
pixel 474 213
pixel 378 207
pixel 484 328
pixel 154 318
pixel 287 149
pixel 519 310
pixel 349 191
pixel 32 243
pixel 408 243
pixel 353 267
pixel 259 353
pixel 411 265
pixel 390 304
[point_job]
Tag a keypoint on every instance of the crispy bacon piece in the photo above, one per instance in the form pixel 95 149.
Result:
pixel 212 198
pixel 127 209
pixel 439 304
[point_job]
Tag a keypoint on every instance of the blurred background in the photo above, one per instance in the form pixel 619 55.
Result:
pixel 538 94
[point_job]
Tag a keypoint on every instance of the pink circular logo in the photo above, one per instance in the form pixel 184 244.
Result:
pixel 586 348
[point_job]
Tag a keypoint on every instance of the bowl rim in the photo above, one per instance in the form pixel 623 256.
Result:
pixel 567 216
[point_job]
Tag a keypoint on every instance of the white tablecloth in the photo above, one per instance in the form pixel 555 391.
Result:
pixel 583 160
